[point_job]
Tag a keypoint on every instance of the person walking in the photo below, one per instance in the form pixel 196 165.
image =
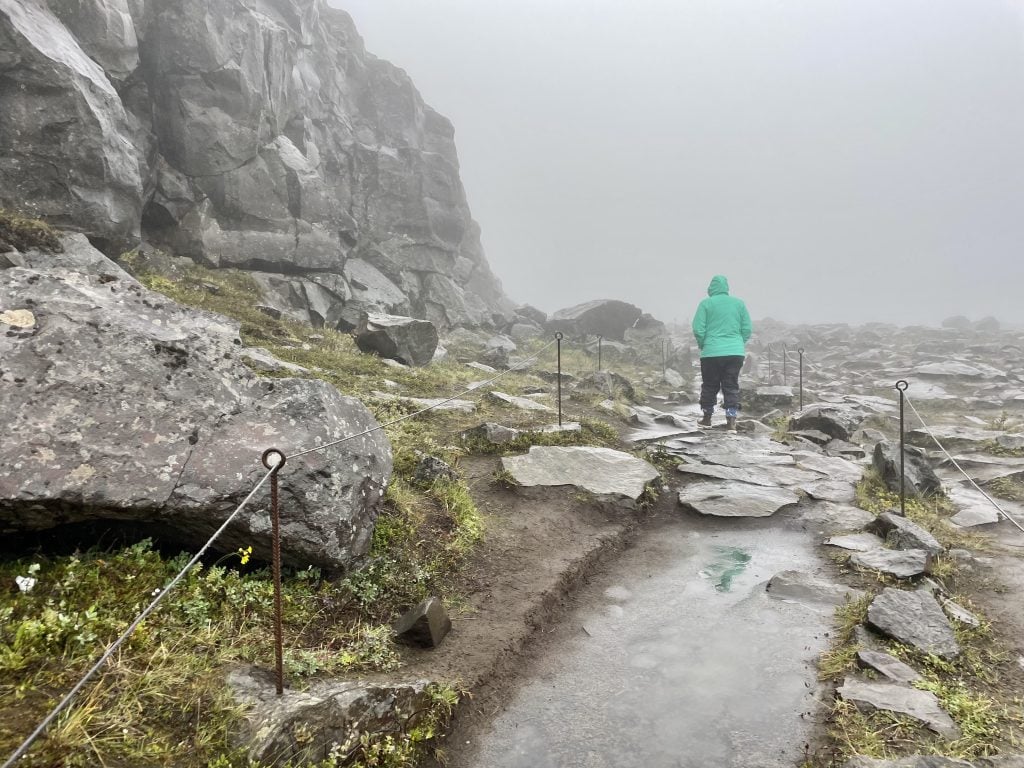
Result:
pixel 722 328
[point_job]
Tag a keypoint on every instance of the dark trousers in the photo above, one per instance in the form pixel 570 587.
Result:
pixel 720 373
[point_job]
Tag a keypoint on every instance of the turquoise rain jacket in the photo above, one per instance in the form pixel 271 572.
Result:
pixel 722 323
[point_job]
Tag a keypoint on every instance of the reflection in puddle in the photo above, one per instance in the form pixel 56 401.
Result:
pixel 729 562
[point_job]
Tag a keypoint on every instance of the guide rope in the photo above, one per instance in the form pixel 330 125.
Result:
pixel 970 479
pixel 20 751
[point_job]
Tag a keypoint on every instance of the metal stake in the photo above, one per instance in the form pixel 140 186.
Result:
pixel 785 360
pixel 664 357
pixel 599 340
pixel 801 351
pixel 769 363
pixel 558 339
pixel 902 385
pixel 274 465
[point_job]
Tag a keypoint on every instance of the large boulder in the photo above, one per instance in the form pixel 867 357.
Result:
pixel 920 478
pixel 837 421
pixel 405 339
pixel 124 406
pixel 67 150
pixel 914 618
pixel 603 317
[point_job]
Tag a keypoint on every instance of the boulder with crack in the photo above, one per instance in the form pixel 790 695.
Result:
pixel 920 478
pixel 405 339
pixel 125 406
pixel 834 420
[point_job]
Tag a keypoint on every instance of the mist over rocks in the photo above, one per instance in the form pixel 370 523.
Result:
pixel 258 135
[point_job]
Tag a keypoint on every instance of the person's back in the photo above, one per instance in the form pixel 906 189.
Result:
pixel 721 327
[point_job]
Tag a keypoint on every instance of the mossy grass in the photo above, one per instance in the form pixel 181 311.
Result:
pixel 971 688
pixel 24 233
pixel 162 700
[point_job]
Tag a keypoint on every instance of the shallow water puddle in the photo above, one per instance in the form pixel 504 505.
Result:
pixel 676 657
pixel 729 562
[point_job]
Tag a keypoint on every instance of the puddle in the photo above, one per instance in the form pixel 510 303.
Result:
pixel 676 657
pixel 729 562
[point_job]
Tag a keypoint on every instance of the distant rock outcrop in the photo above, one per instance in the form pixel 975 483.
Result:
pixel 243 133
pixel 121 405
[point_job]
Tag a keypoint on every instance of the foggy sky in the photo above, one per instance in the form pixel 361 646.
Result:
pixel 839 161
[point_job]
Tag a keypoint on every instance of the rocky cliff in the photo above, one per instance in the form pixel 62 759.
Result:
pixel 256 134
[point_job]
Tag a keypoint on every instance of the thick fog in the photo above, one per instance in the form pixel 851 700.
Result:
pixel 850 160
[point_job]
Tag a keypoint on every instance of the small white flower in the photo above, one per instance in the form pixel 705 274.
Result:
pixel 156 591
pixel 25 583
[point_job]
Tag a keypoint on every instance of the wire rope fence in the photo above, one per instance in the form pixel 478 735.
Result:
pixel 273 460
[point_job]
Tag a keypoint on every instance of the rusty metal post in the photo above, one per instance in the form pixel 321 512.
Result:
pixel 558 340
pixel 801 351
pixel 273 460
pixel 902 385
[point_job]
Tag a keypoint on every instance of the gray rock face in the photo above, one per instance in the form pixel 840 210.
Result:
pixel 327 714
pixel 168 425
pixel 764 399
pixel 601 471
pixel 920 477
pixel 914 618
pixel 901 533
pixel 888 666
pixel 603 317
pixel 726 499
pixel 903 564
pixel 835 421
pixel 67 145
pixel 249 134
pixel 405 339
pixel 922 706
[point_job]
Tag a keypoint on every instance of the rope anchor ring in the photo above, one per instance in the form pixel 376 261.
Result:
pixel 902 385
pixel 273 459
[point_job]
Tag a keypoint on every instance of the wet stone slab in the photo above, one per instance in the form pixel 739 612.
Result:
pixel 923 706
pixel 888 666
pixel 856 542
pixel 914 618
pixel 900 563
pixel 769 477
pixel 723 499
pixel 808 588
pixel 601 471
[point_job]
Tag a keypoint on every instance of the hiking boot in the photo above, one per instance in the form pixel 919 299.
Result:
pixel 706 421
pixel 730 422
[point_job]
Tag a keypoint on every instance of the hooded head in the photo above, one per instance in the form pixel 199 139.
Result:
pixel 719 285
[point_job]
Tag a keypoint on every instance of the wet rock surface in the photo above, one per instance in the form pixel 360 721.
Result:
pixel 887 666
pixel 182 448
pixel 601 471
pixel 922 706
pixel 915 618
pixel 733 500
pixel 405 339
pixel 254 135
pixel 902 564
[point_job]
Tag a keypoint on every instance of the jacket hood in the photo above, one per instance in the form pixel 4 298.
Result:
pixel 719 285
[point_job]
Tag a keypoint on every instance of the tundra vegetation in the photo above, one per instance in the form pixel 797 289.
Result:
pixel 161 699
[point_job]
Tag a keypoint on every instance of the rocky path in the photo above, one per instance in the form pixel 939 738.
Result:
pixel 675 655
pixel 697 646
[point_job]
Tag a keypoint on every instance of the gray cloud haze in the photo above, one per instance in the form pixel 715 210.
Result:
pixel 838 160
